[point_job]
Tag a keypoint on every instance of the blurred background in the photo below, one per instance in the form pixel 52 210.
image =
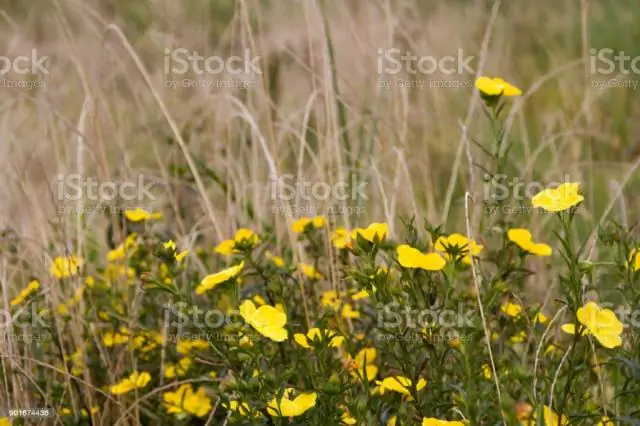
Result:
pixel 116 102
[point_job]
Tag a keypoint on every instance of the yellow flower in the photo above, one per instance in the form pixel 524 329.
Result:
pixel 552 350
pixel 241 408
pixel 301 224
pixel 550 418
pixel 212 281
pixel 392 421
pixel 430 421
pixel 185 347
pixel 177 370
pixel 93 410
pixel 601 323
pixel 518 338
pixel 65 267
pixel 24 294
pixel 5 421
pixel 315 334
pixel 512 309
pixel 277 260
pixel 606 421
pixel 244 340
pixel 288 407
pixel 119 272
pixel 90 282
pixel 558 199
pixel 486 371
pixel 496 87
pixel 139 214
pixel 146 341
pixel 410 257
pixel 227 247
pixel 243 237
pixel 331 299
pixel 400 384
pixel 541 318
pixel 375 231
pixel 310 271
pixel 362 366
pixel 116 338
pixel 341 238
pixel 123 250
pixel 62 310
pixel 66 412
pixel 185 401
pixel 461 246
pixel 349 312
pixel 347 419
pixel 170 245
pixel 362 294
pixel 266 320
pixel 523 239
pixel 76 360
pixel 134 381
pixel 634 259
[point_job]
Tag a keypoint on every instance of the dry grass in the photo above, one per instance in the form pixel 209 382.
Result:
pixel 319 113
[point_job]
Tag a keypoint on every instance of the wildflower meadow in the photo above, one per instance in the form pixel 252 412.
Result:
pixel 319 213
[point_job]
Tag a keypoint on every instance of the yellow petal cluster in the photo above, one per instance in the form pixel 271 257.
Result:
pixel 317 335
pixel 212 281
pixel 523 239
pixel 461 245
pixel 430 421
pixel 65 266
pixel 372 233
pixel 243 237
pixel 600 323
pixel 496 87
pixel 185 401
pixel 410 257
pixel 291 407
pixel 300 225
pixel 139 215
pixel 558 199
pixel 400 384
pixel 24 294
pixel 266 320
pixel 134 381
